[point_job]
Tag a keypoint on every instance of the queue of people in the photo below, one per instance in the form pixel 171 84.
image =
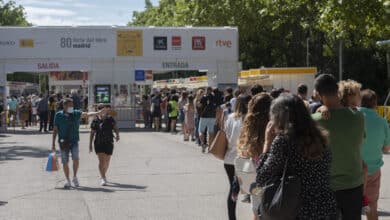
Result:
pixel 332 143
pixel 326 150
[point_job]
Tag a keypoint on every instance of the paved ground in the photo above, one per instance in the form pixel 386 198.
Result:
pixel 153 175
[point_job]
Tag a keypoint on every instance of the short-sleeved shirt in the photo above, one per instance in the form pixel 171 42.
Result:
pixel 233 126
pixel 209 106
pixel 63 121
pixel 174 109
pixel 12 104
pixel 103 130
pixel 156 102
pixel 52 106
pixel 377 136
pixel 346 136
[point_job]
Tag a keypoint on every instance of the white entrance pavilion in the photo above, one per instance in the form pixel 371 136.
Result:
pixel 116 58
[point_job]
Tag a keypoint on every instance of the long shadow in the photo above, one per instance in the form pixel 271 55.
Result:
pixel 383 213
pixel 2 203
pixel 126 186
pixel 21 152
pixel 86 189
pixel 25 132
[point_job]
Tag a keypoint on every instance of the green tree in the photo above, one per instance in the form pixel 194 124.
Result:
pixel 278 32
pixel 11 14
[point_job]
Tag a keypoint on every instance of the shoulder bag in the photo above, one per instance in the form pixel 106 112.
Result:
pixel 219 146
pixel 281 197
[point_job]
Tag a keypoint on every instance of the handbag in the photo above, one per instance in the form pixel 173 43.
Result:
pixel 64 143
pixel 219 146
pixel 281 197
pixel 245 170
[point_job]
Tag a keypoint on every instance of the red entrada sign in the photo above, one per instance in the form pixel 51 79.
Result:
pixel 48 66
pixel 224 43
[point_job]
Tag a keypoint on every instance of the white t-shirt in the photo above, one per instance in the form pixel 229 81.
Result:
pixel 232 129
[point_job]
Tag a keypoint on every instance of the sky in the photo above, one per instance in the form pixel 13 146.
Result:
pixel 81 12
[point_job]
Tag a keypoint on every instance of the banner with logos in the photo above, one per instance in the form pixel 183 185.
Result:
pixel 111 42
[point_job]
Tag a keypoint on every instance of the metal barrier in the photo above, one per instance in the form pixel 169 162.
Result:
pixel 128 117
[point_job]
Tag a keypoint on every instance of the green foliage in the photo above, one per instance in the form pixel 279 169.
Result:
pixel 12 15
pixel 275 32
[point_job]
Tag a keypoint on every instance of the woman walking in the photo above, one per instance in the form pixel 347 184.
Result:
pixel 292 136
pixel 232 129
pixel 102 136
pixel 250 145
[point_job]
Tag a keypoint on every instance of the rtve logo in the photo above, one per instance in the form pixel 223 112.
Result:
pixel 223 43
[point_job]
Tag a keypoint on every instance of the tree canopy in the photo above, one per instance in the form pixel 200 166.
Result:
pixel 277 32
pixel 12 15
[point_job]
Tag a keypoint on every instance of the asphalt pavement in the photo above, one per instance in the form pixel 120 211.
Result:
pixel 152 176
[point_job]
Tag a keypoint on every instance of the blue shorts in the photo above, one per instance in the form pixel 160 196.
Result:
pixel 208 123
pixel 74 150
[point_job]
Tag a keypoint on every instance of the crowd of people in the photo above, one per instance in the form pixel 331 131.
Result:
pixel 332 141
pixel 33 110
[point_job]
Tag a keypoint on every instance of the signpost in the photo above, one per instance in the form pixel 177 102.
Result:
pixel 139 75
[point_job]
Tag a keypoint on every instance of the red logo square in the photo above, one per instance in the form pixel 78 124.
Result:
pixel 198 43
pixel 176 41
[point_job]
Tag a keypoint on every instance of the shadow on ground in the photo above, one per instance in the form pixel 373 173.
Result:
pixel 110 188
pixel 86 189
pixel 21 152
pixel 25 132
pixel 126 186
pixel 2 203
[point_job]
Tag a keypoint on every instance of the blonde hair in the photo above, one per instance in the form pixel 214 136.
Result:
pixel 348 88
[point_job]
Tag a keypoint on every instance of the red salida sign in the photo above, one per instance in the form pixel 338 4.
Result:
pixel 48 66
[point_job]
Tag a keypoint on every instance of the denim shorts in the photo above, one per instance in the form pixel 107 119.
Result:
pixel 208 123
pixel 74 150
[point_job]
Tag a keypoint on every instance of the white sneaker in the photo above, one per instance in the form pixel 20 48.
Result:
pixel 103 182
pixel 76 182
pixel 67 184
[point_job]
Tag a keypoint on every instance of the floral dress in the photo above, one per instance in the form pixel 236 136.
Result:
pixel 189 116
pixel 317 198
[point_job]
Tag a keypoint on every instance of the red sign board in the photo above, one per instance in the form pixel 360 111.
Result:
pixel 48 66
pixel 176 41
pixel 198 43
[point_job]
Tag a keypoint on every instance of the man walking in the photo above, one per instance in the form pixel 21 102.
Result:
pixel 43 112
pixel 66 125
pixel 346 136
